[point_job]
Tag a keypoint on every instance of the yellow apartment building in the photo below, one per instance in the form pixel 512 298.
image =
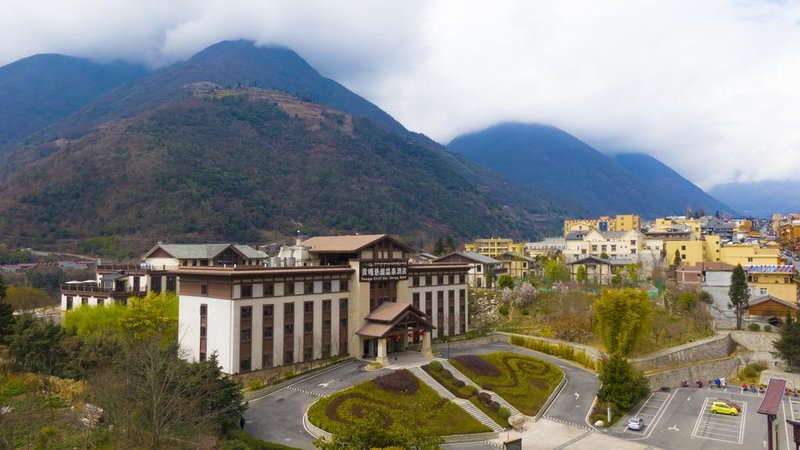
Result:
pixel 694 251
pixel 775 280
pixel 748 254
pixel 622 222
pixel 494 247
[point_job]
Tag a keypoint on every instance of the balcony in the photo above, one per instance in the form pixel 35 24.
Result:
pixel 87 289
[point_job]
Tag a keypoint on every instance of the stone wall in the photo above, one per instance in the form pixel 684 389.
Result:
pixel 712 348
pixel 707 370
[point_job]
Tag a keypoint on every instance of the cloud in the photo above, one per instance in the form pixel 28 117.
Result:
pixel 707 87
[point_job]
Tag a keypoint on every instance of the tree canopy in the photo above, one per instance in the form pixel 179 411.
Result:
pixel 622 386
pixel 622 317
pixel 739 293
pixel 787 347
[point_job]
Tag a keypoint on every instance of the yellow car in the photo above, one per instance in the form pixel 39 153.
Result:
pixel 724 408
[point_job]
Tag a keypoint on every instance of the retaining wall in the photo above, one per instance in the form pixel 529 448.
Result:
pixel 706 370
pixel 712 348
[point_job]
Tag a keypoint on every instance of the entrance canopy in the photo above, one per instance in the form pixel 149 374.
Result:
pixel 394 319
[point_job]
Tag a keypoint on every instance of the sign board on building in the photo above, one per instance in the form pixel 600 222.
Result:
pixel 382 271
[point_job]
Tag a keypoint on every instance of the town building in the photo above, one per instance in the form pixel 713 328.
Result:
pixel 517 265
pixel 763 308
pixel 628 247
pixel 494 247
pixel 115 283
pixel 482 269
pixel 353 295
pixel 774 280
pixel 549 246
pixel 622 222
pixel 598 270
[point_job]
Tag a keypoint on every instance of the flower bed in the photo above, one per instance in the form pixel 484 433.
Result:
pixel 462 390
pixel 393 394
pixel 523 381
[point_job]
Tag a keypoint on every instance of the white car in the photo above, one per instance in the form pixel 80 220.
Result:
pixel 635 423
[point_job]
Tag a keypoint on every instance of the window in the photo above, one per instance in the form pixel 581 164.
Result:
pixel 683 247
pixel 326 324
pixel 288 288
pixel 440 280
pixel 308 307
pixel 633 241
pixel 266 360
pixel 428 280
pixel 415 281
pixel 268 310
pixel 762 291
pixel 100 302
pixel 326 351
pixel 247 290
pixel 288 309
pixel 288 329
pixel 267 332
pixel 308 353
pixel 247 312
pixel 750 259
pixel 244 364
pixel 245 336
pixel 415 299
pixel 326 305
pixel 613 248
pixel 288 357
pixel 479 268
pixel 594 248
pixel 202 331
pixel 326 286
pixel 342 303
pixel 203 310
pixel 344 286
pixel 69 303
pixel 203 289
pixel 342 323
pixel 269 290
pixel 202 356
pixel 683 256
pixel 308 327
pixel 308 287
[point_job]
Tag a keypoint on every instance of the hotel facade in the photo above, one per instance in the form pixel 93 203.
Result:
pixel 346 296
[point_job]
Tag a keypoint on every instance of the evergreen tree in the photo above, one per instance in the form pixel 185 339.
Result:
pixel 449 245
pixel 580 274
pixel 6 314
pixel 622 317
pixel 438 247
pixel 739 293
pixel 676 261
pixel 622 386
pixel 787 347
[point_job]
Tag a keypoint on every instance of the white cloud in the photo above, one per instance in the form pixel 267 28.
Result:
pixel 707 87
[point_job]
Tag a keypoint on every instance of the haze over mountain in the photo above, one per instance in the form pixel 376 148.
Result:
pixel 39 90
pixel 178 155
pixel 584 181
pixel 761 199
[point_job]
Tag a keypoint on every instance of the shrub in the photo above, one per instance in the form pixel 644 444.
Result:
pixel 503 310
pixel 398 382
pixel 447 375
pixel 484 397
pixel 289 374
pixel 559 350
pixel 478 365
pixel 488 386
pixel 749 374
pixel 754 327
pixel 471 390
pixel 504 413
pixel 435 366
pixel 767 328
pixel 525 311
pixel 459 383
pixel 254 385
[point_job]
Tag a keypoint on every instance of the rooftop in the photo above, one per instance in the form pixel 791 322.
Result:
pixel 346 243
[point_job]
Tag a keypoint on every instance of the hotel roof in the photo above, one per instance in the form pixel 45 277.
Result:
pixel 347 243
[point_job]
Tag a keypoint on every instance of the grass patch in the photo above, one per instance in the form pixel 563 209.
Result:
pixel 240 440
pixel 467 391
pixel 562 351
pixel 523 381
pixel 394 393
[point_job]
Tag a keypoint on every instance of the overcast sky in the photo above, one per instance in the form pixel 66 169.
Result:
pixel 711 88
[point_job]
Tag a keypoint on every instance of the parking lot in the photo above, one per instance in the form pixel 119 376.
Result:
pixel 682 419
pixel 718 427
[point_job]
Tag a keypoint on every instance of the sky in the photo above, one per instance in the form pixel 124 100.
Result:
pixel 710 87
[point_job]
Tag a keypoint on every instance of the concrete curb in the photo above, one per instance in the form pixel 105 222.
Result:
pixel 552 397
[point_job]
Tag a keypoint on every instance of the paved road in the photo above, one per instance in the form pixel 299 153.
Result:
pixel 278 416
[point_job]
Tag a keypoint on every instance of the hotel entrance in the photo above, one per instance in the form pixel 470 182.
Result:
pixel 391 327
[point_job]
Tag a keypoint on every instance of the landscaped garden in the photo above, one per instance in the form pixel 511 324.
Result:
pixel 523 381
pixel 398 396
pixel 460 389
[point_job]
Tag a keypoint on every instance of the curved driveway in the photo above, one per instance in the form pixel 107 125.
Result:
pixel 278 417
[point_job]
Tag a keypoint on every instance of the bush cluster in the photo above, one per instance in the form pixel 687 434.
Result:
pixel 478 365
pixel 559 350
pixel 398 382
pixel 754 327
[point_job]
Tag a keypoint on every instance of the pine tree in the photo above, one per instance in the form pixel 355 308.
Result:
pixel 6 314
pixel 787 347
pixel 676 261
pixel 739 293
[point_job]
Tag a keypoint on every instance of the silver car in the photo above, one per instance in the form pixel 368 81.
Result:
pixel 635 423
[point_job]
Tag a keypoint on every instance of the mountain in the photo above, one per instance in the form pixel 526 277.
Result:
pixel 761 199
pixel 188 154
pixel 226 64
pixel 577 177
pixel 670 186
pixel 42 89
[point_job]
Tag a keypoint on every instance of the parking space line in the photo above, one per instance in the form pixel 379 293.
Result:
pixel 728 429
pixel 656 402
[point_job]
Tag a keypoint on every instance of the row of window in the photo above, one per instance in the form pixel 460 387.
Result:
pixel 440 280
pixel 288 329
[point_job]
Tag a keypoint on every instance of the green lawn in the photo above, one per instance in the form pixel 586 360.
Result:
pixel 395 394
pixel 523 381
